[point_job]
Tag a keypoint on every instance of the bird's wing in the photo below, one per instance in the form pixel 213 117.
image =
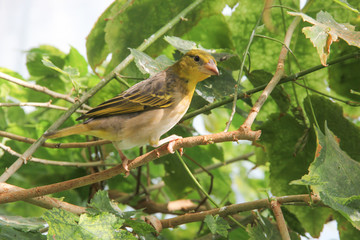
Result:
pixel 145 95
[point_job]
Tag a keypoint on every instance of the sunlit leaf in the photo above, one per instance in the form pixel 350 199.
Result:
pixel 326 31
pixel 148 65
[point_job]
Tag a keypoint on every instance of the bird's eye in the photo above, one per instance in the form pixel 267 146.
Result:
pixel 196 58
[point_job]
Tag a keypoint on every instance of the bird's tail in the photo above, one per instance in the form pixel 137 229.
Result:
pixel 77 129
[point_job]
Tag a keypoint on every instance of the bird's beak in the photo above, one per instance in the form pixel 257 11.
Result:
pixel 210 68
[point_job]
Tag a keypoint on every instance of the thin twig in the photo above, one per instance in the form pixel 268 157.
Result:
pixel 57 163
pixel 54 145
pixel 147 42
pixel 38 104
pixel 217 165
pixel 276 208
pixel 350 103
pixel 39 88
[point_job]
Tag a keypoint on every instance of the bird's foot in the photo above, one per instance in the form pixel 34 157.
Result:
pixel 125 162
pixel 171 141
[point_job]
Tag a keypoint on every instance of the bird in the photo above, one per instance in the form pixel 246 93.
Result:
pixel 143 113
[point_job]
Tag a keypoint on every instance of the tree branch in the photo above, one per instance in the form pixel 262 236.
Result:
pixel 236 208
pixel 44 201
pixel 241 134
pixel 276 208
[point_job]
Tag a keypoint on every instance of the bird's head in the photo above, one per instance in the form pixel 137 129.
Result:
pixel 196 65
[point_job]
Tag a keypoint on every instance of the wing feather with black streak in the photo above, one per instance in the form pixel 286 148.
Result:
pixel 148 94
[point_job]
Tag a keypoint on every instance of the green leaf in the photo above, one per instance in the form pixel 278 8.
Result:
pixel 140 226
pixel 102 226
pixel 147 65
pixel 96 47
pixel 263 230
pixel 327 111
pixel 217 87
pixel 181 44
pixel 325 31
pixel 75 60
pixel 65 225
pixel 297 147
pixel 217 225
pixel 22 224
pixel 9 233
pixel 293 222
pixel 335 177
pixel 280 144
pixel 345 228
pixel 62 224
pixel 129 23
pixel 101 203
pixel 35 56
pixel 175 171
pixel 312 219
pixel 218 34
pixel 344 75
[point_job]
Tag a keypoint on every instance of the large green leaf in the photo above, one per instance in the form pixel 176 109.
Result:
pixel 332 113
pixel 65 225
pixel 7 232
pixel 287 163
pixel 35 56
pixel 96 47
pixel 128 23
pixel 345 76
pixel 290 149
pixel 334 176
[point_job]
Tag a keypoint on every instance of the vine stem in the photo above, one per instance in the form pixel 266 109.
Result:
pixel 233 110
pixel 27 154
pixel 279 73
pixel 202 189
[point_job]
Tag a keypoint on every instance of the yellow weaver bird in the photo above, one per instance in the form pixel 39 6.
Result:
pixel 143 113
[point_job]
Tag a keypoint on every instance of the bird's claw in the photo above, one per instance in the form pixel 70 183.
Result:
pixel 170 146
pixel 126 167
